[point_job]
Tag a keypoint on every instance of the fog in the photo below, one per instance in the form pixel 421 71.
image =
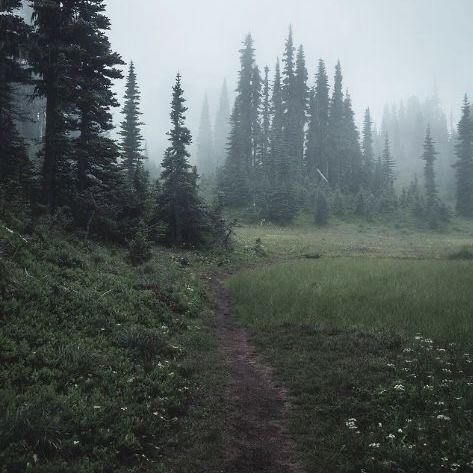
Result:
pixel 389 50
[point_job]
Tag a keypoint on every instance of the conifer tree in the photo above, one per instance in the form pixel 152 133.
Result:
pixel 322 210
pixel 301 97
pixel 179 205
pixel 388 166
pixel 205 149
pixel 236 182
pixel 317 133
pixel 51 59
pixel 367 151
pixel 429 157
pixel 464 163
pixel 14 164
pixel 276 139
pixel 130 129
pixel 264 142
pixel 351 153
pixel 336 164
pixel 222 126
pixel 94 66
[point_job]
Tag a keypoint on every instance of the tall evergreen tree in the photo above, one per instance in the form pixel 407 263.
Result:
pixel 352 172
pixel 222 126
pixel 464 163
pixel 336 162
pixel 51 59
pixel 94 66
pixel 301 97
pixel 317 133
pixel 264 142
pixel 14 163
pixel 367 151
pixel 276 138
pixel 205 149
pixel 130 129
pixel 429 157
pixel 236 179
pixel 388 165
pixel 179 204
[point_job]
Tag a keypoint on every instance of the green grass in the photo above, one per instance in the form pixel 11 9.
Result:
pixel 431 297
pixel 105 366
pixel 367 393
pixel 357 239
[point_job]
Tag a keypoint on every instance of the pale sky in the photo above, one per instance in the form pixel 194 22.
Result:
pixel 389 49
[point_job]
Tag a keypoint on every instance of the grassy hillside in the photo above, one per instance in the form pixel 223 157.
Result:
pixel 102 363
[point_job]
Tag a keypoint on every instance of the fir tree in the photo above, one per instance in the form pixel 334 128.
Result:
pixel 222 126
pixel 429 157
pixel 367 151
pixel 179 205
pixel 336 163
pixel 14 164
pixel 322 210
pixel 464 163
pixel 264 142
pixel 51 59
pixel 301 97
pixel 94 66
pixel 317 133
pixel 236 180
pixel 130 129
pixel 205 150
pixel 388 165
pixel 352 171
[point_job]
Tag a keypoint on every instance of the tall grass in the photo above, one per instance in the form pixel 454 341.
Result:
pixel 403 296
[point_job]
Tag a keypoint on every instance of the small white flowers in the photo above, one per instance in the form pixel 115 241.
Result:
pixel 399 387
pixel 391 436
pixel 97 407
pixel 351 424
pixel 124 408
pixel 443 417
pixel 76 442
pixel 374 445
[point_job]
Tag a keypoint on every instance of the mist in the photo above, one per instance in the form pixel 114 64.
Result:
pixel 389 50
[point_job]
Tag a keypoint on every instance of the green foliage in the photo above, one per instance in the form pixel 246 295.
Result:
pixel 94 376
pixel 140 246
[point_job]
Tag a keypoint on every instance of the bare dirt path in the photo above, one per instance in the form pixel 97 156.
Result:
pixel 255 436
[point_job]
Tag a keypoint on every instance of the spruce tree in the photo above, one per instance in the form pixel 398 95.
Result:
pixel 352 159
pixel 464 163
pixel 179 205
pixel 236 182
pixel 222 126
pixel 205 149
pixel 51 59
pixel 131 143
pixel 367 152
pixel 336 162
pixel 301 97
pixel 264 142
pixel 14 163
pixel 317 133
pixel 94 66
pixel 429 157
pixel 388 165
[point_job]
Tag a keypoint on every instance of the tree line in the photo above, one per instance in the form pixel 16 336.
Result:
pixel 99 184
pixel 294 146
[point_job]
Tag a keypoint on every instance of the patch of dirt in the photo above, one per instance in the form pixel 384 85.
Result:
pixel 255 437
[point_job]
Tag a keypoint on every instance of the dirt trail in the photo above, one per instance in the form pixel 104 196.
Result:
pixel 255 435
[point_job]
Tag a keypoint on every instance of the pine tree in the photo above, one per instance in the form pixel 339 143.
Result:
pixel 301 97
pixel 222 126
pixel 317 133
pixel 429 156
pixel 236 183
pixel 352 171
pixel 205 150
pixel 14 164
pixel 94 67
pixel 464 162
pixel 179 205
pixel 388 165
pixel 130 129
pixel 51 59
pixel 336 163
pixel 367 152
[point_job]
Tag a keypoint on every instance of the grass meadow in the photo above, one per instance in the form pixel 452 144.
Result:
pixel 371 332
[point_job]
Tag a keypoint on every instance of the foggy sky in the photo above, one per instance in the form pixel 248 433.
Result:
pixel 389 49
